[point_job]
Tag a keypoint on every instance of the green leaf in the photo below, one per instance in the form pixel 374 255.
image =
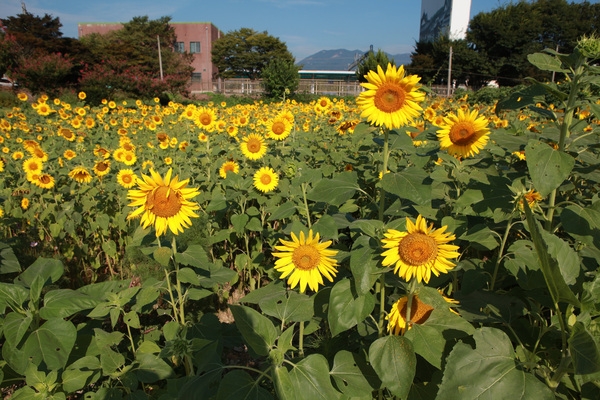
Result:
pixel 257 330
pixel 110 248
pixel 480 236
pixel 489 371
pixel 163 255
pixel 151 368
pixel 554 280
pixel 62 303
pixel 310 379
pixel 566 258
pixel 410 184
pixel 546 62
pixel 283 384
pixel 584 350
pixel 346 307
pixel 239 222
pixel 12 295
pixel 8 260
pixel 335 191
pixel 364 259
pixel 131 319
pixel 81 373
pixel 188 275
pixel 582 223
pixel 284 210
pixel 352 375
pixel 273 289
pixel 239 385
pixel 395 362
pixel 194 255
pixel 289 306
pixel 326 226
pixel 49 269
pixel 111 361
pixel 15 326
pixel 52 343
pixel 548 168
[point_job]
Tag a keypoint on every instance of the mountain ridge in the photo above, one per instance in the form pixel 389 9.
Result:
pixel 341 59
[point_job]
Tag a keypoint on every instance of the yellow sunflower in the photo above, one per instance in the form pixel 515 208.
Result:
pixel 24 203
pixel 265 179
pixel 126 178
pixel 205 118
pixel 304 260
pixel 463 134
pixel 81 175
pixel 419 313
pixel 228 166
pixel 45 181
pixel 253 146
pixel 279 128
pixel 69 154
pixel 419 251
pixel 163 202
pixel 33 165
pixel 391 98
pixel 22 96
pixel 1 213
pixel 102 168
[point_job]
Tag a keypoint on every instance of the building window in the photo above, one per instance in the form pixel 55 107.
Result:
pixel 179 47
pixel 194 47
pixel 196 76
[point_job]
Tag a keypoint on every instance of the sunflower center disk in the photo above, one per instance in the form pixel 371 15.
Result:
pixel 265 179
pixel 306 257
pixel 462 133
pixel 417 249
pixel 278 128
pixel 390 98
pixel 164 202
pixel 205 120
pixel 253 146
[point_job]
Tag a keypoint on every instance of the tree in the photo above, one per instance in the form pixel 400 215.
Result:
pixel 246 52
pixel 280 78
pixel 370 63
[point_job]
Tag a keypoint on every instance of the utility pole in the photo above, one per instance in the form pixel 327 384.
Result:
pixel 449 72
pixel 159 57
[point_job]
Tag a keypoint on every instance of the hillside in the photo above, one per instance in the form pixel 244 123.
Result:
pixel 340 59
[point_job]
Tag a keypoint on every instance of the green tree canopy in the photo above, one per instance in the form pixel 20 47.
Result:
pixel 280 78
pixel 370 63
pixel 246 53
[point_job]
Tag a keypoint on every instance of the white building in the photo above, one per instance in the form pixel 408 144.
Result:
pixel 444 17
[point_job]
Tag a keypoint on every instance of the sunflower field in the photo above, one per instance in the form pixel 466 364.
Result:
pixel 394 246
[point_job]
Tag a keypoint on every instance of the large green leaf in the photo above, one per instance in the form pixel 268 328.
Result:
pixel 489 371
pixel 346 307
pixel 239 385
pixel 364 261
pixel 8 260
pixel 546 62
pixel 548 168
pixel 257 330
pixel 395 362
pixel 289 306
pixel 335 191
pixel 582 223
pixel 81 373
pixel 150 368
pixel 411 184
pixel 310 379
pixel 62 303
pixel 52 343
pixel 549 265
pixel 15 326
pixel 353 376
pixel 49 269
pixel 194 255
pixel 584 350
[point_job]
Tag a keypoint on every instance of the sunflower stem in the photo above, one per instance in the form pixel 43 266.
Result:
pixel 499 258
pixel 381 210
pixel 306 205
pixel 301 340
pixel 411 292
pixel 180 299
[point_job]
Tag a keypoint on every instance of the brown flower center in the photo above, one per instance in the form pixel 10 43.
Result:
pixel 390 97
pixel 127 178
pixel 278 128
pixel 229 167
pixel 45 179
pixel 101 166
pixel 205 119
pixel 265 179
pixel 253 145
pixel 306 257
pixel 417 249
pixel 462 133
pixel 164 202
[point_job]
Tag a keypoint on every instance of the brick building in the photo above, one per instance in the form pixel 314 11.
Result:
pixel 192 37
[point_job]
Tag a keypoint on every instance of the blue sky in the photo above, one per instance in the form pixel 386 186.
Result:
pixel 306 26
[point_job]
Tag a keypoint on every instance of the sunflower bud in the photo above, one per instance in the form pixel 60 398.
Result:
pixel 589 46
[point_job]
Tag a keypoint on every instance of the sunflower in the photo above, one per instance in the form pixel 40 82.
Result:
pixel 81 175
pixel 24 203
pixel 205 118
pixel 463 134
pixel 67 134
pixel 1 213
pixel 45 181
pixel 304 260
pixel 419 313
pixel 419 251
pixel 69 154
pixel 32 166
pixel 391 98
pixel 126 178
pixel 279 128
pixel 253 146
pixel 228 166
pixel 265 179
pixel 163 202
pixel 22 96
pixel 102 168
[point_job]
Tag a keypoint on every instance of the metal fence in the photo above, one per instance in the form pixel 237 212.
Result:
pixel 247 87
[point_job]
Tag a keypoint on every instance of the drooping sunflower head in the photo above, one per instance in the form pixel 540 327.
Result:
pixel 102 168
pixel 265 179
pixel 419 251
pixel 44 181
pixel 391 98
pixel 305 261
pixel 397 321
pixel 463 134
pixel 80 174
pixel 163 202
pixel 253 146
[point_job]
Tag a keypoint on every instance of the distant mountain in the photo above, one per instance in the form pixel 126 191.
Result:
pixel 341 59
